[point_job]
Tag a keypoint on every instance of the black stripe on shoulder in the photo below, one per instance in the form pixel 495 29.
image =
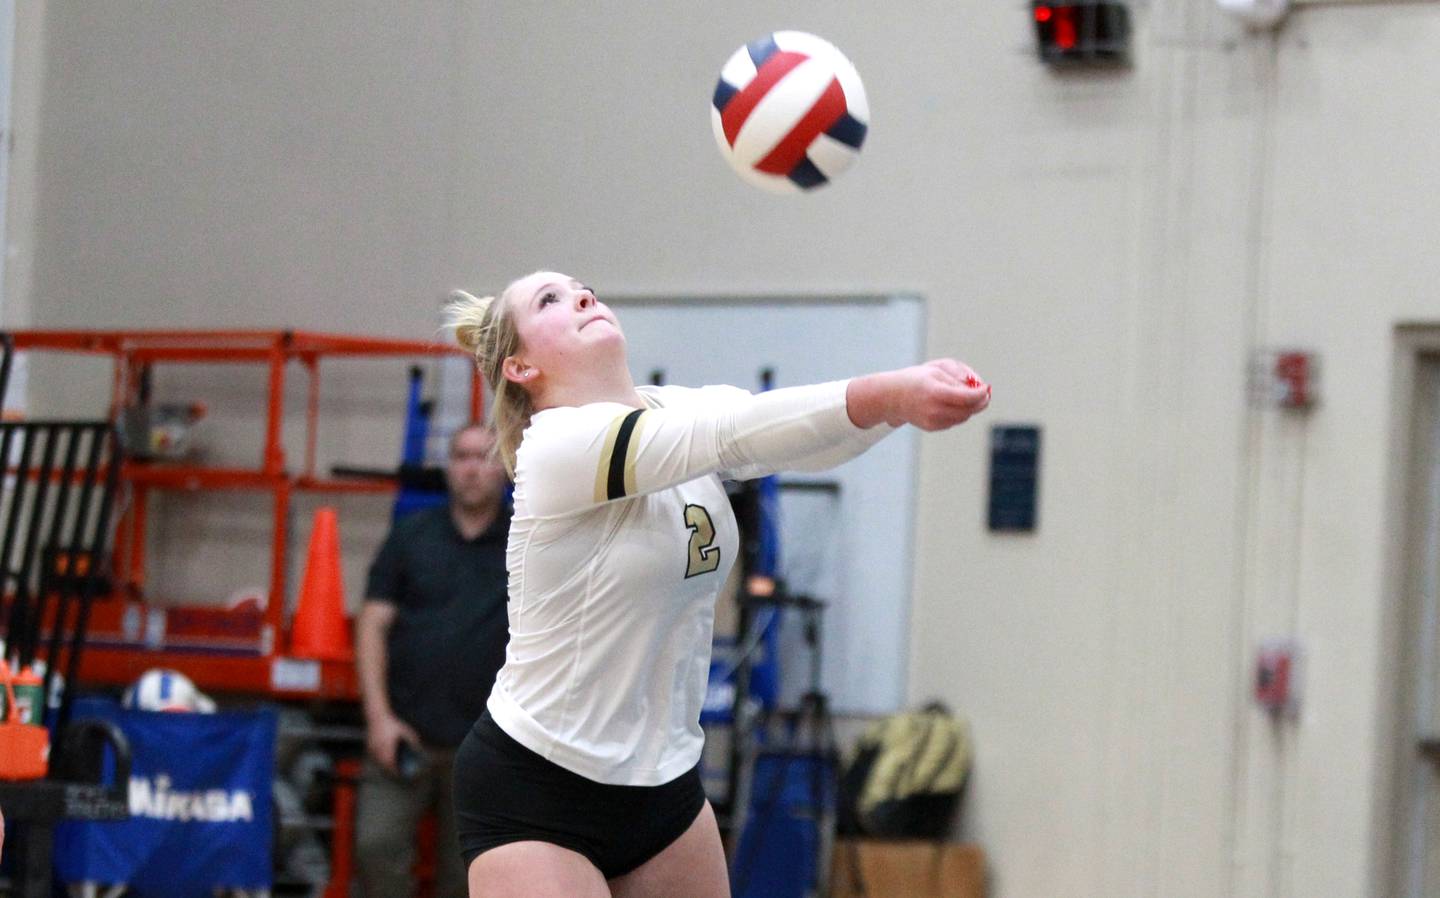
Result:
pixel 615 482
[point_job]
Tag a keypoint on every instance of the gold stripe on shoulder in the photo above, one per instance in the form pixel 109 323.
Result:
pixel 602 471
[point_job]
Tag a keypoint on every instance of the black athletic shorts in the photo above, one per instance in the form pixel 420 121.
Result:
pixel 504 792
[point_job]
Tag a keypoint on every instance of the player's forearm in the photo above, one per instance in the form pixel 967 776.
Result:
pixel 844 439
pixel 869 400
pixel 784 427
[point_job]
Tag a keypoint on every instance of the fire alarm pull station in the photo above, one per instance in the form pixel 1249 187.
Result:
pixel 1276 680
pixel 1285 378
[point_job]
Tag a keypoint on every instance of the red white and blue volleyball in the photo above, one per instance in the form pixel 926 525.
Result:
pixel 789 112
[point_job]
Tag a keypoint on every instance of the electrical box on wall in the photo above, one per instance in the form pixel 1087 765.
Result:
pixel 1082 32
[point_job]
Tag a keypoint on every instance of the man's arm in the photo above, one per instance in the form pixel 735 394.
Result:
pixel 383 730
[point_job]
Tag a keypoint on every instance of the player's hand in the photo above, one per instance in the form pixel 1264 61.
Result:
pixel 382 738
pixel 933 396
pixel 937 395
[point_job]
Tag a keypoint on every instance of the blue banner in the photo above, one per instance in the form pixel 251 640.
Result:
pixel 200 809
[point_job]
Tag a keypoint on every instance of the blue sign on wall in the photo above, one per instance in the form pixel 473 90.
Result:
pixel 1014 476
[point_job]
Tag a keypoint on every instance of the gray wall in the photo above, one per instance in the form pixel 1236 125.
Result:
pixel 1106 249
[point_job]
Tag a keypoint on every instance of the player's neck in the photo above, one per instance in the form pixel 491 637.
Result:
pixel 609 385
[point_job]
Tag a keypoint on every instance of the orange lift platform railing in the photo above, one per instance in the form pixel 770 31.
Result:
pixel 239 652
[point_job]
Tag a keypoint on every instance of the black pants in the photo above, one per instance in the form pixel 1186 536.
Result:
pixel 504 792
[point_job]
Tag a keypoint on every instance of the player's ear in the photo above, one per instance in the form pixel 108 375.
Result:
pixel 518 371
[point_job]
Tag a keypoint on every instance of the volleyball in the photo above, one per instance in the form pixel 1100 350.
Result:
pixel 789 112
pixel 159 689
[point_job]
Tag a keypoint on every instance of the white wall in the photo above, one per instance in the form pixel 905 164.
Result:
pixel 1105 249
pixel 1351 255
pixel 26 78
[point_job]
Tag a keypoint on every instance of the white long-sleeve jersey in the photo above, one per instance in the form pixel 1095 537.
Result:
pixel 621 539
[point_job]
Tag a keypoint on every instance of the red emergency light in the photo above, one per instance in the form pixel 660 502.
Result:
pixel 1094 32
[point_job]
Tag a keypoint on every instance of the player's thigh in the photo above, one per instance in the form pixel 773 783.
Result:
pixel 693 866
pixel 534 870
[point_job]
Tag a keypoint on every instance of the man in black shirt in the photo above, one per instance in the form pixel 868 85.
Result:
pixel 431 637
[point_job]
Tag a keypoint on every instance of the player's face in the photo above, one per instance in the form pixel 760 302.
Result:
pixel 473 476
pixel 560 321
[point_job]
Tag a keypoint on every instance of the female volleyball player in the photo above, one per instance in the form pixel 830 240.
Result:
pixel 581 780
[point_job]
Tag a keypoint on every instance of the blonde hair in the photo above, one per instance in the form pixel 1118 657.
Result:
pixel 485 328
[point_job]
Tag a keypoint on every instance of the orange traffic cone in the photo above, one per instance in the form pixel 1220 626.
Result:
pixel 320 630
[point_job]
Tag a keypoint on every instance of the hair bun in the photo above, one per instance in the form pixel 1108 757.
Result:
pixel 466 314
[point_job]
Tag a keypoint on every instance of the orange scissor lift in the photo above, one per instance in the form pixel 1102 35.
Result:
pixel 240 651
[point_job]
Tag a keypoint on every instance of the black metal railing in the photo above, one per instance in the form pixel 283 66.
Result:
pixel 61 480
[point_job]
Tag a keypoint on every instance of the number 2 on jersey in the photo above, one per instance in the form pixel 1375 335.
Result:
pixel 704 557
